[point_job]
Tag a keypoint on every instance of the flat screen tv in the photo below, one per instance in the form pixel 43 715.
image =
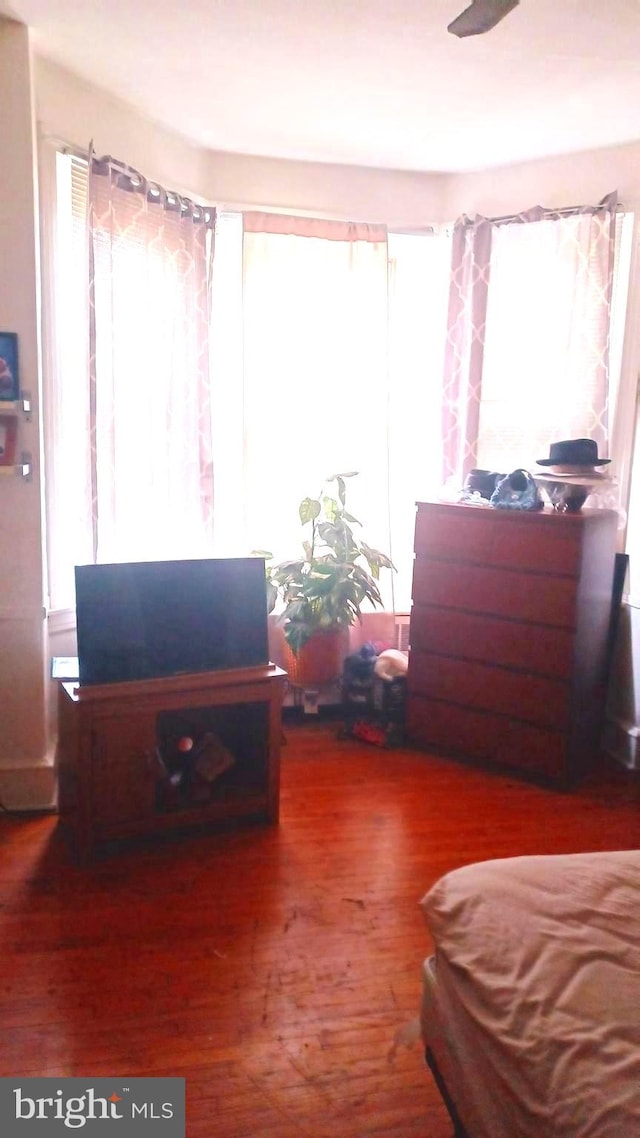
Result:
pixel 144 620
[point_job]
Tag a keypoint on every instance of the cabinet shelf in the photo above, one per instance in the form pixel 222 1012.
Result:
pixel 10 411
pixel 119 745
pixel 22 469
pixel 237 809
pixel 22 406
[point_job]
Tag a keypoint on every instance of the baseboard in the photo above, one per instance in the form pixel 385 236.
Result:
pixel 24 789
pixel 621 740
pixel 312 701
pixel 325 712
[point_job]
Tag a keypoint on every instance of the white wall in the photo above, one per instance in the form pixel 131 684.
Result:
pixel 553 182
pixel 397 198
pixel 23 742
pixel 71 110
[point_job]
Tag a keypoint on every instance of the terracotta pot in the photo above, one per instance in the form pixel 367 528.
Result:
pixel 319 661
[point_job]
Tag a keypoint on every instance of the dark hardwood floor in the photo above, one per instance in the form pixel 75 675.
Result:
pixel 271 967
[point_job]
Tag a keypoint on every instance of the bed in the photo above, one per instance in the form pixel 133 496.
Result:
pixel 530 1011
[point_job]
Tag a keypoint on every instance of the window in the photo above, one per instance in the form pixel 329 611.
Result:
pixel 326 355
pixel 540 379
pixel 128 466
pixel 536 307
pixel 418 295
pixel 327 358
pixel 343 371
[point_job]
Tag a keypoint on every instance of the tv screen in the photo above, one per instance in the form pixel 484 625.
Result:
pixel 144 620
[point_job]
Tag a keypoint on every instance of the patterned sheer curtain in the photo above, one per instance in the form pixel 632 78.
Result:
pixel 150 256
pixel 527 354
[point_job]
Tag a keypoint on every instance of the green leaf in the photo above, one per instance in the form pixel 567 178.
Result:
pixel 326 588
pixel 375 555
pixel 318 587
pixel 309 509
pixel 331 508
pixel 296 636
pixel 287 569
pixel 368 585
pixel 296 611
pixel 331 534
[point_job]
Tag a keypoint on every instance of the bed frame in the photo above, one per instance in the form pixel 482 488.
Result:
pixel 458 1129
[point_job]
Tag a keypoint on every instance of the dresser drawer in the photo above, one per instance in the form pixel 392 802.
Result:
pixel 531 647
pixel 536 699
pixel 492 739
pixel 499 592
pixel 547 543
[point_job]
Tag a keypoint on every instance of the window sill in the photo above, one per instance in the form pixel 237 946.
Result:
pixel 61 620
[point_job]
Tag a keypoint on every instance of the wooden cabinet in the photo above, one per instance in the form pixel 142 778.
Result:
pixel 123 770
pixel 509 635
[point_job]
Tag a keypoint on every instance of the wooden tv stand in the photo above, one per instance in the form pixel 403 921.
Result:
pixel 124 767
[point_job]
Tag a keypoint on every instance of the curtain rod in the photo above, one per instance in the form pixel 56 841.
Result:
pixel 561 211
pixel 65 146
pixel 74 151
pixel 566 211
pixel 82 154
pixel 154 191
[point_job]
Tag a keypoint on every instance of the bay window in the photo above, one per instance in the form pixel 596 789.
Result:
pixel 331 349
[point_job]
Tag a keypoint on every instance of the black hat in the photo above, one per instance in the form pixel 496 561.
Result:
pixel 483 482
pixel 573 452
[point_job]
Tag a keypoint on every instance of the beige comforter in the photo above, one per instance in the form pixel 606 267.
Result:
pixel 538 994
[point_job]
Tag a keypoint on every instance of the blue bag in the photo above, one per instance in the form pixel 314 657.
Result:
pixel 516 491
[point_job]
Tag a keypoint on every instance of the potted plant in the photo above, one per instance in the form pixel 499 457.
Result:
pixel 321 593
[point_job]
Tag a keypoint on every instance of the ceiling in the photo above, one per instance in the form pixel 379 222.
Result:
pixel 371 82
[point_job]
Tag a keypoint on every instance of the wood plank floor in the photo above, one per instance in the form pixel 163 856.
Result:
pixel 271 967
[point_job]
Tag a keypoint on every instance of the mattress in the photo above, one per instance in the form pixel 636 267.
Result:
pixel 532 1003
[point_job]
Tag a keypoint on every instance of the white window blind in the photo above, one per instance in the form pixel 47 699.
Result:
pixel 68 496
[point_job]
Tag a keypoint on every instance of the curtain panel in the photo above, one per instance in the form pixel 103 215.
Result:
pixel 150 259
pixel 322 228
pixel 315 373
pixel 527 351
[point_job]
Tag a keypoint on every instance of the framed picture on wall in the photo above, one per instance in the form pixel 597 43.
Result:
pixel 8 439
pixel 9 377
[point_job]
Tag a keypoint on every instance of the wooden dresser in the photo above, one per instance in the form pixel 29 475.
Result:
pixel 509 635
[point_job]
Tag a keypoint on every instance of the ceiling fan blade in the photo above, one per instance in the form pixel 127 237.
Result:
pixel 481 16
